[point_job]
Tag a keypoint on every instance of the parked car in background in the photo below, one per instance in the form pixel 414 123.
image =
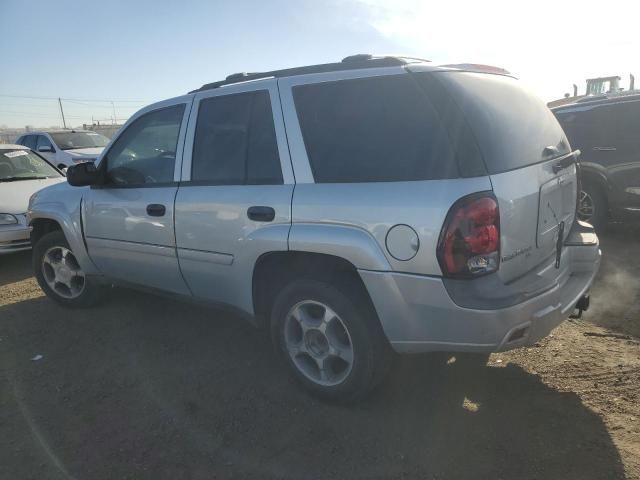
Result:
pixel 607 131
pixel 22 173
pixel 64 148
pixel 354 209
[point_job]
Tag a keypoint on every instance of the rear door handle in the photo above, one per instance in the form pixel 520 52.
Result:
pixel 261 213
pixel 156 210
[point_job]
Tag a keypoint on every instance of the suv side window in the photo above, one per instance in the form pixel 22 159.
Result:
pixel 43 142
pixel 376 129
pixel 145 153
pixel 29 141
pixel 235 141
pixel 628 131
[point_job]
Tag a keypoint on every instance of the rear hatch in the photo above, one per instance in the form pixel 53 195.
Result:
pixel 530 164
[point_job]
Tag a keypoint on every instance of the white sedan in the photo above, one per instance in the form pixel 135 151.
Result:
pixel 22 173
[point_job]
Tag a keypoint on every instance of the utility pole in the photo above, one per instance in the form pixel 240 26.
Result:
pixel 114 113
pixel 64 123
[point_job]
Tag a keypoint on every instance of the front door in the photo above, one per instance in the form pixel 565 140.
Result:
pixel 46 149
pixel 234 203
pixel 128 221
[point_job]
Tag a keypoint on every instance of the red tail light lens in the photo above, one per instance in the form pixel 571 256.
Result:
pixel 469 243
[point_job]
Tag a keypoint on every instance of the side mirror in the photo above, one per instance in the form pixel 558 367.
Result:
pixel 45 149
pixel 84 174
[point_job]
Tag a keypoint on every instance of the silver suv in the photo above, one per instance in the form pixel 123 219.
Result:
pixel 372 205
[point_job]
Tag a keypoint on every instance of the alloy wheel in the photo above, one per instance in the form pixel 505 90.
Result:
pixel 62 272
pixel 586 206
pixel 318 343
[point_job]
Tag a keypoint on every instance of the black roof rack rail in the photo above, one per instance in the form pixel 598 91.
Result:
pixel 629 96
pixel 362 60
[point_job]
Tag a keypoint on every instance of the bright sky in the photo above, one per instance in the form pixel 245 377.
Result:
pixel 133 52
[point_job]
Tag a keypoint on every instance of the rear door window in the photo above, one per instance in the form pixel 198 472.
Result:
pixel 29 141
pixel 375 129
pixel 235 141
pixel 628 123
pixel 511 124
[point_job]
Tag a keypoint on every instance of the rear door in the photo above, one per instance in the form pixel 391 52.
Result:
pixel 234 201
pixel 623 157
pixel 529 161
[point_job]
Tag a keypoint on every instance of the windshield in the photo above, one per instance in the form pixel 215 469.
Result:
pixel 71 140
pixel 24 165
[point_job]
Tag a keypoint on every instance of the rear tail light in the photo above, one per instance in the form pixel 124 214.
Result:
pixel 469 243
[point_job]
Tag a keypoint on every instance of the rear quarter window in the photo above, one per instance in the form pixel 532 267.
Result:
pixel 375 129
pixel 511 124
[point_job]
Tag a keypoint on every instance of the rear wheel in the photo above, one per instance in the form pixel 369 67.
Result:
pixel 330 339
pixel 592 205
pixel 59 274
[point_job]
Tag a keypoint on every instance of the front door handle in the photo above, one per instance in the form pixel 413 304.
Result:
pixel 261 214
pixel 156 210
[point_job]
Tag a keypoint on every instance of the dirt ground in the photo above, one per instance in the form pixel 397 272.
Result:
pixel 147 387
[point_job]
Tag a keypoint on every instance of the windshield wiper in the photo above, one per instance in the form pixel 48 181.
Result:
pixel 13 179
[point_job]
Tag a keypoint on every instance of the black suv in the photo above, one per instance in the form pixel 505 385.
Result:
pixel 607 131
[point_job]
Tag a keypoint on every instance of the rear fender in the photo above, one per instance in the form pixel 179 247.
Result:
pixel 353 244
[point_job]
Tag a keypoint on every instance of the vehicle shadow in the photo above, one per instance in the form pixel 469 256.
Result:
pixel 146 387
pixel 15 267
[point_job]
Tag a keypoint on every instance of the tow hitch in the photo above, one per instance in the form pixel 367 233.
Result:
pixel 581 306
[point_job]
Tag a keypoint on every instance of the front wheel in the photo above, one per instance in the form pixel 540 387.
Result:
pixel 330 339
pixel 59 274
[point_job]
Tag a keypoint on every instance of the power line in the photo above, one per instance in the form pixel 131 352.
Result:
pixel 77 99
pixel 57 115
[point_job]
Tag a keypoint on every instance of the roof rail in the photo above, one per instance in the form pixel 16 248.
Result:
pixel 362 60
pixel 478 67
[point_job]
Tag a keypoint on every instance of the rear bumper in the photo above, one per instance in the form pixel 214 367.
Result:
pixel 14 239
pixel 418 314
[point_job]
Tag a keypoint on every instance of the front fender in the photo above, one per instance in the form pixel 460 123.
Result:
pixel 64 206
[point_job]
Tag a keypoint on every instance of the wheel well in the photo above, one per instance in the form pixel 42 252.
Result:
pixel 594 180
pixel 42 226
pixel 274 270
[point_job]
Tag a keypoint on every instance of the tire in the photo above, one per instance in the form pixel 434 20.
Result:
pixel 59 274
pixel 313 323
pixel 592 206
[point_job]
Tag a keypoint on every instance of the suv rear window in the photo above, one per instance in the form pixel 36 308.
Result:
pixel 512 125
pixel 375 129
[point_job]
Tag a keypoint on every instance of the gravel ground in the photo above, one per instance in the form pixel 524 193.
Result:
pixel 148 387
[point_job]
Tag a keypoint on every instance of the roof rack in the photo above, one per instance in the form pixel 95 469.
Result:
pixel 604 98
pixel 352 62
